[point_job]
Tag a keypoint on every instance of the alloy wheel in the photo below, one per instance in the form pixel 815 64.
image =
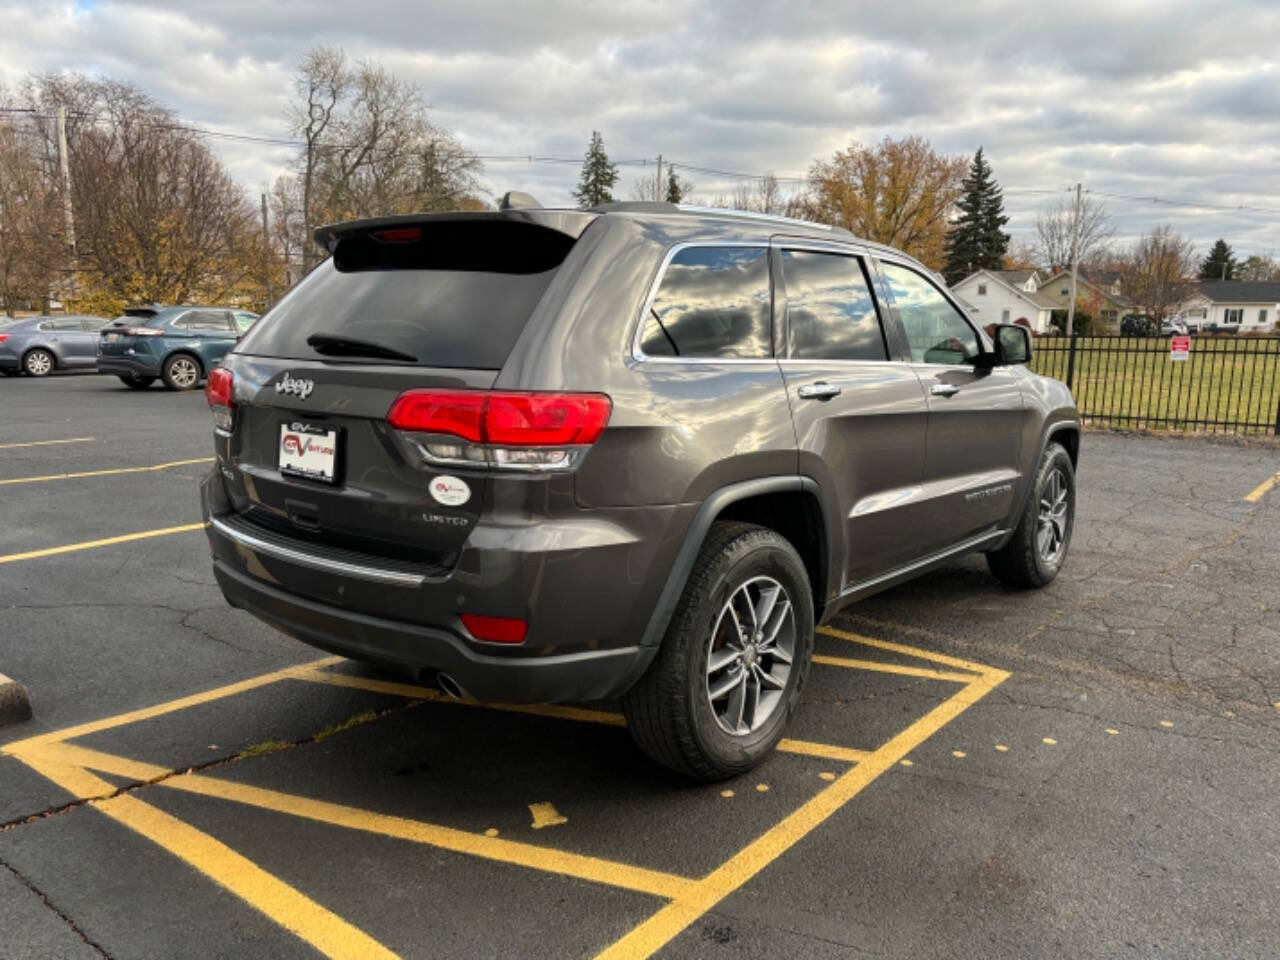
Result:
pixel 183 372
pixel 749 657
pixel 39 363
pixel 1051 532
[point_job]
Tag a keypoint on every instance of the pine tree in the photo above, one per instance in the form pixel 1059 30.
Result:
pixel 1220 264
pixel 977 239
pixel 598 175
pixel 675 189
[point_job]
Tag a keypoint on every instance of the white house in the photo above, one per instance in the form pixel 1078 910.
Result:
pixel 1006 296
pixel 1236 304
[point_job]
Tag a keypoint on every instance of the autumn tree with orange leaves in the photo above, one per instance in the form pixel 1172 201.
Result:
pixel 899 192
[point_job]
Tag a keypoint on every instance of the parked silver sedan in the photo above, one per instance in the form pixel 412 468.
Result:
pixel 37 346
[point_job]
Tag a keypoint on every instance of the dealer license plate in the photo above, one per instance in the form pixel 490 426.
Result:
pixel 309 451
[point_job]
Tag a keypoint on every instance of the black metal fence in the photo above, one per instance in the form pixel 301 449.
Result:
pixel 1227 384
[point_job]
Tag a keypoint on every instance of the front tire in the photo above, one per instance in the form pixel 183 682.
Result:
pixel 38 363
pixel 719 693
pixel 1038 548
pixel 181 372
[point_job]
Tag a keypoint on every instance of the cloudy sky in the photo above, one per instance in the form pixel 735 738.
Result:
pixel 1176 100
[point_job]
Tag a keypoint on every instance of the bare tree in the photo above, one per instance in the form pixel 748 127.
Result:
pixel 319 87
pixel 1158 273
pixel 32 252
pixel 1055 229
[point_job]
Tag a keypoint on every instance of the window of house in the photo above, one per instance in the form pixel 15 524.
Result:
pixel 1065 291
pixel 982 289
pixel 936 331
pixel 1233 315
pixel 713 302
pixel 1004 316
pixel 830 311
pixel 1262 316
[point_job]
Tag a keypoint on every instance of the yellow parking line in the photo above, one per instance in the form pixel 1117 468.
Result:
pixel 828 751
pixel 114 471
pixel 45 443
pixel 902 668
pixel 92 544
pixel 660 929
pixel 146 713
pixel 297 913
pixel 1260 490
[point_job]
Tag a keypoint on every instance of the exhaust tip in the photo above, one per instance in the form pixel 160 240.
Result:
pixel 450 686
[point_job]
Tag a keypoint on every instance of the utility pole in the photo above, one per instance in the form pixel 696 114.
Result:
pixel 1075 264
pixel 64 167
pixel 266 254
pixel 657 193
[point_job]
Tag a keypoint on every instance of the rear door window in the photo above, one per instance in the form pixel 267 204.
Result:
pixel 203 321
pixel 831 314
pixel 453 294
pixel 713 302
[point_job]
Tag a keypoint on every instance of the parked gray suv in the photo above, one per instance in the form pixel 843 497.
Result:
pixel 636 451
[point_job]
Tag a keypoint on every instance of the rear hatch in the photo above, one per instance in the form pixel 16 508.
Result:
pixel 121 336
pixel 433 306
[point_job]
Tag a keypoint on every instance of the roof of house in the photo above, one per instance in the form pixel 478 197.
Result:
pixel 1016 277
pixel 1241 291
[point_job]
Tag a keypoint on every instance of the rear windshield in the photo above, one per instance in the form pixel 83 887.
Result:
pixel 451 295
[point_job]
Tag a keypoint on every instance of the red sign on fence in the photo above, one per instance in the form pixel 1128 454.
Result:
pixel 1179 348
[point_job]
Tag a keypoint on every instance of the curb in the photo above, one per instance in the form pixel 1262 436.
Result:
pixel 15 705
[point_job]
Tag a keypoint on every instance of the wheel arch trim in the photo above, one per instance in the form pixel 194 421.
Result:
pixel 696 534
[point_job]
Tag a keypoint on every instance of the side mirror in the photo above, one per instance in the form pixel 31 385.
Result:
pixel 1013 345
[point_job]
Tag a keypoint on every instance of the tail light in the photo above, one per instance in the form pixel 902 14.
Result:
pixel 495 629
pixel 3 337
pixel 502 429
pixel 219 390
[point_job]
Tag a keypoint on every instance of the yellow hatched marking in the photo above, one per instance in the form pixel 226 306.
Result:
pixel 92 544
pixel 642 879
pixel 45 443
pixel 1261 489
pixel 661 928
pixel 286 906
pixel 114 471
pixel 969 665
pixel 905 669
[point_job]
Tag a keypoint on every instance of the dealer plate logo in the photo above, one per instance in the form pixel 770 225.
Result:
pixel 450 491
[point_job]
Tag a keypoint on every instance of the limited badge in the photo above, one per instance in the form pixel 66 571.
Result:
pixel 450 491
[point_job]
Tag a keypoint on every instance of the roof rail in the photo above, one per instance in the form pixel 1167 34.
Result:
pixel 754 215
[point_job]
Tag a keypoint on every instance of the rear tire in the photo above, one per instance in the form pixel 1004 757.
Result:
pixel 181 372
pixel 1038 548
pixel 38 363
pixel 135 382
pixel 674 712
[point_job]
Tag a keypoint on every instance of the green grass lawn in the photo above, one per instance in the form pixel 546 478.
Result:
pixel 1229 384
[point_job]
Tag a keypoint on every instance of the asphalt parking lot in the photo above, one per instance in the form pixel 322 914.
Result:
pixel 1086 771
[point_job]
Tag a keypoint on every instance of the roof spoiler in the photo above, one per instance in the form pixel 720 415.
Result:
pixel 569 222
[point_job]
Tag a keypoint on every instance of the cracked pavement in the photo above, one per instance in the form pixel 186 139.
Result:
pixel 1133 810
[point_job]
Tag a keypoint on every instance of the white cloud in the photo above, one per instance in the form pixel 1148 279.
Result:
pixel 1139 98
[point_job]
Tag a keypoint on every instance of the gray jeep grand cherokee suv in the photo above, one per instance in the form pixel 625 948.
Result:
pixel 636 451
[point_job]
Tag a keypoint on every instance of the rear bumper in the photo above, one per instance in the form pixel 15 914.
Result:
pixel 10 361
pixel 123 365
pixel 591 675
pixel 587 587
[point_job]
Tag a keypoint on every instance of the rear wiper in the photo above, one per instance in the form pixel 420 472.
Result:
pixel 334 345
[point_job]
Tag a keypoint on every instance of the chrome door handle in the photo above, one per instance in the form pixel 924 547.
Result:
pixel 943 390
pixel 819 391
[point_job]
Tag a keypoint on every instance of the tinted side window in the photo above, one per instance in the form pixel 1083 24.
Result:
pixel 936 331
pixel 204 320
pixel 713 302
pixel 830 312
pixel 60 325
